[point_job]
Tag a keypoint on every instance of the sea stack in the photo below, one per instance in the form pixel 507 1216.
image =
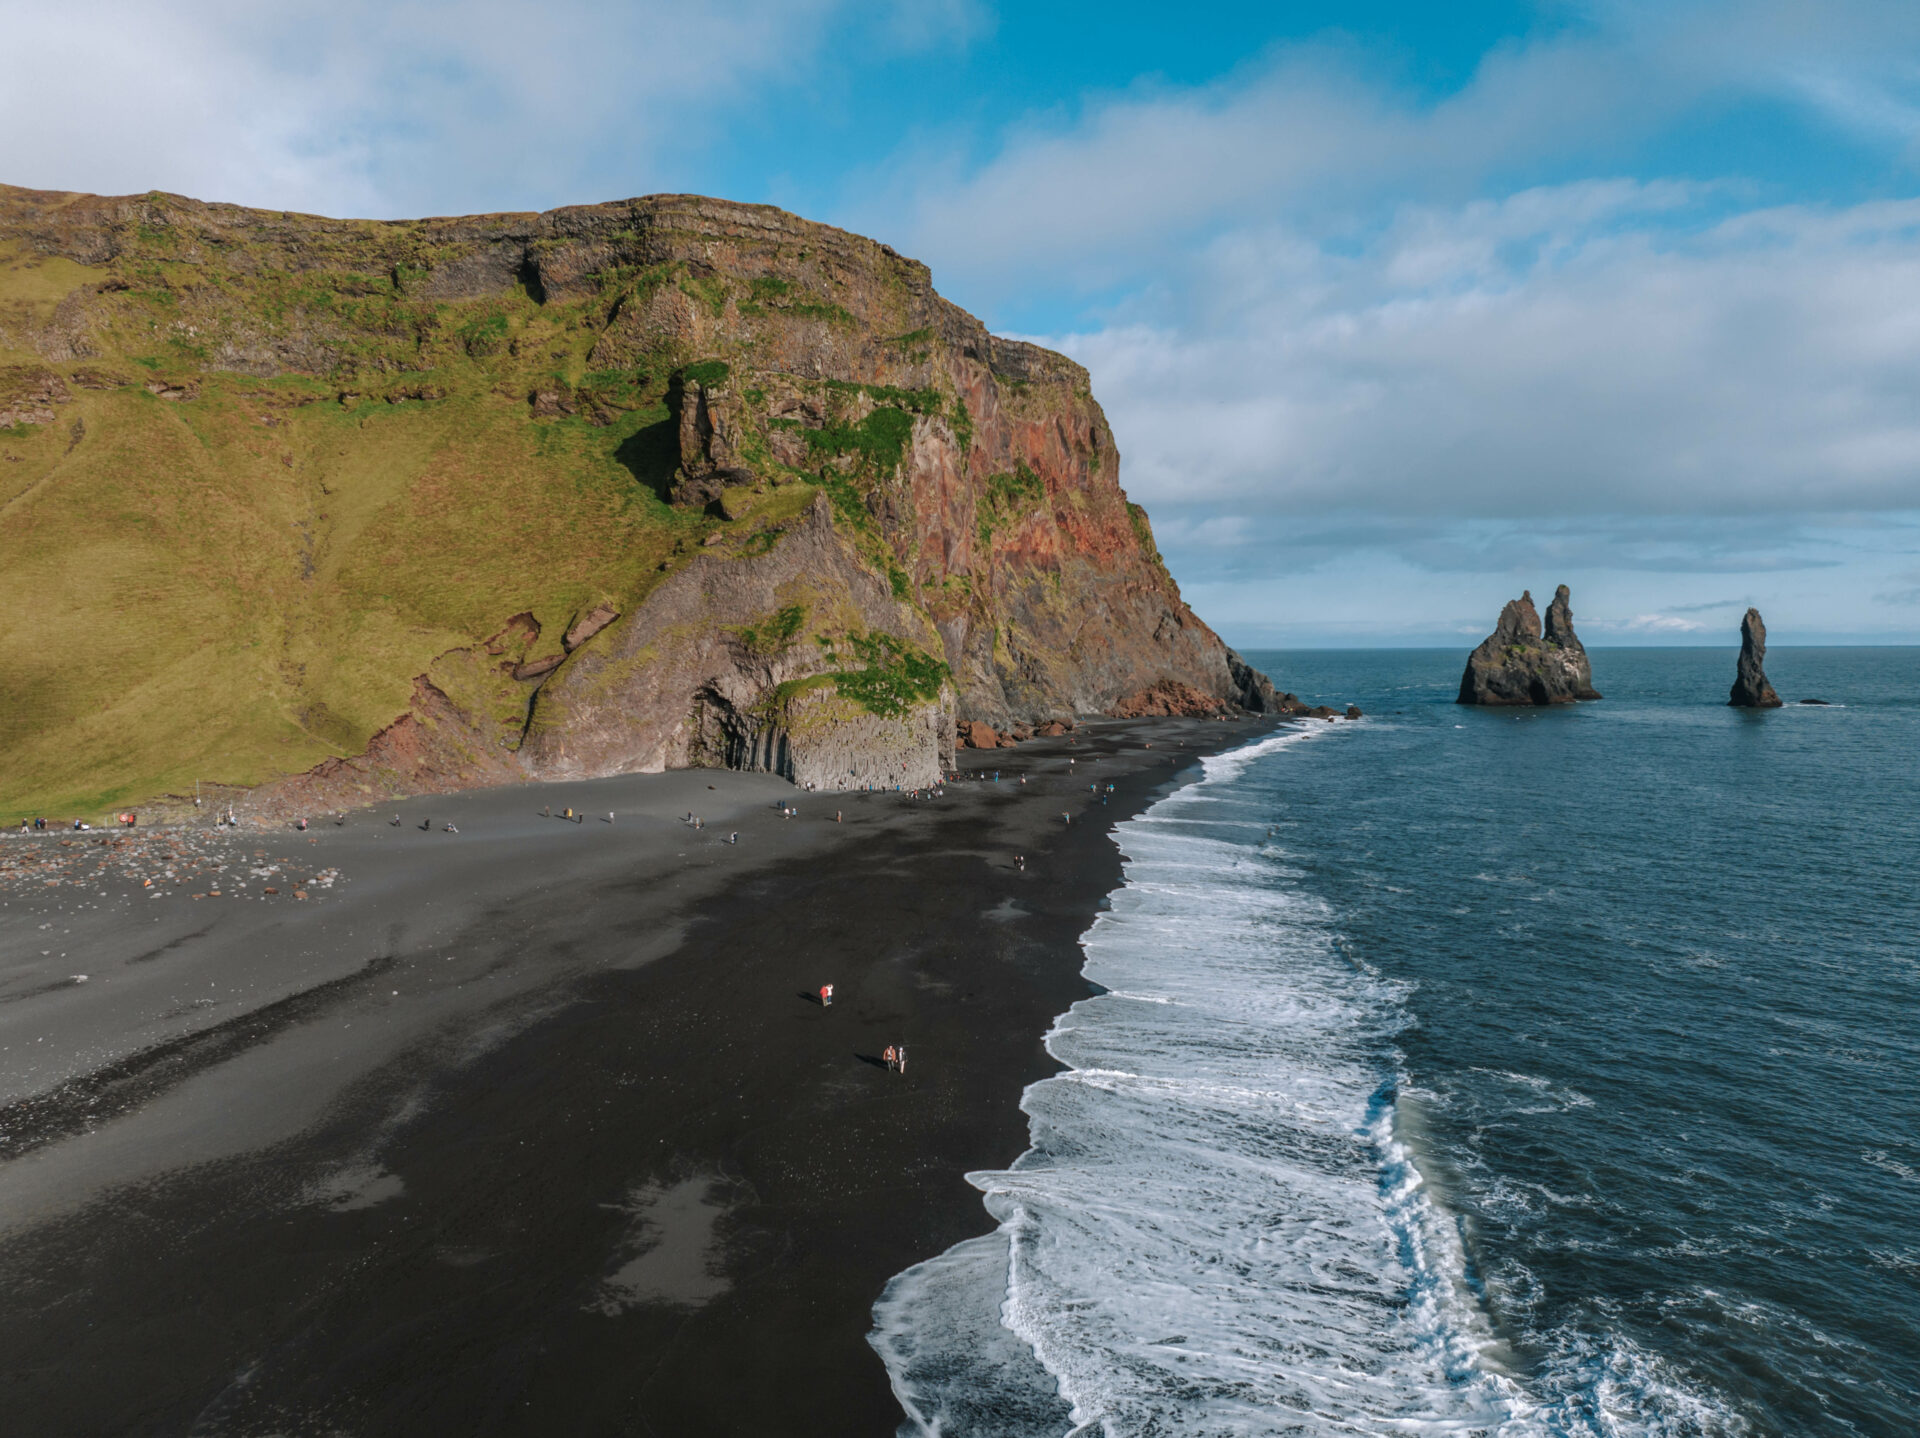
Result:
pixel 1750 687
pixel 1518 664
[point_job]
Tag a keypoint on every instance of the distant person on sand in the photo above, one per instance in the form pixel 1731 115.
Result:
pixel 734 837
pixel 609 816
pixel 887 1054
pixel 900 1059
pixel 546 811
pixel 396 821
pixel 826 996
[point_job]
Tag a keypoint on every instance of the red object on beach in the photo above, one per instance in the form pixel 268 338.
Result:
pixel 826 995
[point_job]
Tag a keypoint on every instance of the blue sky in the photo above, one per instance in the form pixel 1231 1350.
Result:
pixel 1395 309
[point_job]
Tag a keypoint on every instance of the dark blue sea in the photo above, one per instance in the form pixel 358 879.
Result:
pixel 1476 1071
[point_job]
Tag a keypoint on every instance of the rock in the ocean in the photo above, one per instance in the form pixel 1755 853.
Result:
pixel 1518 664
pixel 1750 687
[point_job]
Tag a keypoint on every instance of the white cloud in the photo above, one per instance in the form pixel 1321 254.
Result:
pixel 410 107
pixel 1653 624
pixel 1565 352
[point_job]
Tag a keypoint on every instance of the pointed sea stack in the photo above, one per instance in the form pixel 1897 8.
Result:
pixel 1750 687
pixel 1518 664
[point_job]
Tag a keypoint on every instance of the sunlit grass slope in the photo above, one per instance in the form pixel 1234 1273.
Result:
pixel 237 582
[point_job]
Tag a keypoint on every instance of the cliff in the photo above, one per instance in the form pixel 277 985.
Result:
pixel 1750 687
pixel 1520 664
pixel 372 507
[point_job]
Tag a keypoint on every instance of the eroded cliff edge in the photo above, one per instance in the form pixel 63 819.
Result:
pixel 434 503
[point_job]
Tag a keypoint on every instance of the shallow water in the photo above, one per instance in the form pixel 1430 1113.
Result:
pixel 1479 1071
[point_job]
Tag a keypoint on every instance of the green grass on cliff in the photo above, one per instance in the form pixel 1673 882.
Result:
pixel 238 585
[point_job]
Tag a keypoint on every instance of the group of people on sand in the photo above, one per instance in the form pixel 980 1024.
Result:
pixel 893 1055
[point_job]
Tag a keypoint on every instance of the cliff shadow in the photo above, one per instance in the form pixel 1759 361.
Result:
pixel 651 454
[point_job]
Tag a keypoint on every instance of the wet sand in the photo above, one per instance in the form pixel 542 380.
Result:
pixel 537 1127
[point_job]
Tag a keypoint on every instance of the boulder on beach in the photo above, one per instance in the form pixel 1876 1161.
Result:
pixel 1750 687
pixel 1520 664
pixel 978 734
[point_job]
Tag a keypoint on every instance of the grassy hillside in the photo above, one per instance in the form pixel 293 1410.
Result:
pixel 238 584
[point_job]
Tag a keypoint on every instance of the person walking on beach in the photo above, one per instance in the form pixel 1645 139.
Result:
pixel 609 816
pixel 734 837
pixel 887 1054
pixel 900 1058
pixel 826 996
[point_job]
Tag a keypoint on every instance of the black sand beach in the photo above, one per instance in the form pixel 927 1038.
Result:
pixel 537 1127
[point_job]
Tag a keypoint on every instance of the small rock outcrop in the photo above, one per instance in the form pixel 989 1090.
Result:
pixel 1519 663
pixel 1750 687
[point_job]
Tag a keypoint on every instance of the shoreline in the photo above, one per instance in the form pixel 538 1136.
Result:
pixel 619 1172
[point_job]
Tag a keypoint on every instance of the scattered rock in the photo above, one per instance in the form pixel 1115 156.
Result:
pixel 1814 701
pixel 977 734
pixel 1321 711
pixel 1354 711
pixel 516 635
pixel 1167 699
pixel 1518 664
pixel 1750 687
pixel 588 625
pixel 95 377
pixel 538 668
pixel 28 395
pixel 1052 729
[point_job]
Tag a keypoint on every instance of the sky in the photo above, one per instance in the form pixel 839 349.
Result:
pixel 1395 309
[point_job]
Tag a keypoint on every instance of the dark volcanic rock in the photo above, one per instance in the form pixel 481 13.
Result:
pixel 1518 664
pixel 1252 690
pixel 1750 687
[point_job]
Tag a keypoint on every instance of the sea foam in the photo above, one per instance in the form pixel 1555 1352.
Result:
pixel 1220 1228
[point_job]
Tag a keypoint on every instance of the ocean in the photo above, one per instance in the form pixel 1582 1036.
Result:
pixel 1466 1071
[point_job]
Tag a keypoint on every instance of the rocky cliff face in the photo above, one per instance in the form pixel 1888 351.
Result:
pixel 1520 664
pixel 773 501
pixel 1750 687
